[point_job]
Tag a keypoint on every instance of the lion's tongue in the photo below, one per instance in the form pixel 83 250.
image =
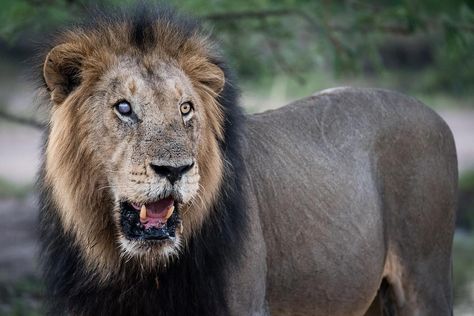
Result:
pixel 157 213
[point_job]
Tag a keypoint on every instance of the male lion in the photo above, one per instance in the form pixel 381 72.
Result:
pixel 159 197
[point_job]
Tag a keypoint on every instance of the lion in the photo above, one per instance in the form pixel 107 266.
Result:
pixel 160 196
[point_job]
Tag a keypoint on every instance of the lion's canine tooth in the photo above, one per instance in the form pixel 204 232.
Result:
pixel 181 227
pixel 143 212
pixel 169 212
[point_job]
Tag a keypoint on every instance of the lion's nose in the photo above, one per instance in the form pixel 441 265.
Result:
pixel 172 173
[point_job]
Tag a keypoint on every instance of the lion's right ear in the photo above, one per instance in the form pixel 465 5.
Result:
pixel 62 71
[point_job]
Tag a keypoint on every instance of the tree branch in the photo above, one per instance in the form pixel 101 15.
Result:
pixel 263 14
pixel 20 120
pixel 248 14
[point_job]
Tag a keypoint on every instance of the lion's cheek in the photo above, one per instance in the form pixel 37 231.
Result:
pixel 189 189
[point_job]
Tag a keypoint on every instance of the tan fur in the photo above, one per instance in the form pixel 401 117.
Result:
pixel 80 173
pixel 394 273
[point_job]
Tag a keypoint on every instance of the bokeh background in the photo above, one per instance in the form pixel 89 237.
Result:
pixel 281 50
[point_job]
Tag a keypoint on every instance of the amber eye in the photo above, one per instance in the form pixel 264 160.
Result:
pixel 124 108
pixel 186 108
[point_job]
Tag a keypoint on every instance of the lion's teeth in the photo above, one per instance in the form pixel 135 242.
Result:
pixel 143 212
pixel 169 212
pixel 181 227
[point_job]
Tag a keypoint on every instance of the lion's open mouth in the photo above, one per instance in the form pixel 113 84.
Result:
pixel 155 220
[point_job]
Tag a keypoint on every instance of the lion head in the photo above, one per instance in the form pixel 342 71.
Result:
pixel 133 158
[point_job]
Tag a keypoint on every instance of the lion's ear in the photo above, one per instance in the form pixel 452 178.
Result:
pixel 213 77
pixel 206 73
pixel 62 71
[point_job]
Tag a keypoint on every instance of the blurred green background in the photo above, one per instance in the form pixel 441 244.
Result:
pixel 281 50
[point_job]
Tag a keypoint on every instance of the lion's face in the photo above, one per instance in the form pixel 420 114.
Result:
pixel 150 129
pixel 134 143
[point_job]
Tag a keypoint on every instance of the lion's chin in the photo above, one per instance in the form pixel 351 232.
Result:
pixel 151 223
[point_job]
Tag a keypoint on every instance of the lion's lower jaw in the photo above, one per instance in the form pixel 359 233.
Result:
pixel 150 255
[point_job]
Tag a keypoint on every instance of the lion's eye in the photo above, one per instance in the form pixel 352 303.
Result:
pixel 124 108
pixel 186 108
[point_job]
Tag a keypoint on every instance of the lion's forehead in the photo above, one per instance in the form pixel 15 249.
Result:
pixel 164 83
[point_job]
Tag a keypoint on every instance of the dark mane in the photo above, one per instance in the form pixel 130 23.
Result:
pixel 142 34
pixel 193 284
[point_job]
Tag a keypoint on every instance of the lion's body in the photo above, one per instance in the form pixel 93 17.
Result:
pixel 305 210
pixel 352 187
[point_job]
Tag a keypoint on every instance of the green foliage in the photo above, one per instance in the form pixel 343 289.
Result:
pixel 24 16
pixel 465 216
pixel 466 181
pixel 264 38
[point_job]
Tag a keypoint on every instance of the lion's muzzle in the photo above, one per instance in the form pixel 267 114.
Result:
pixel 154 214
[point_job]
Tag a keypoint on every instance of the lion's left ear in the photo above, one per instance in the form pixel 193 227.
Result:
pixel 206 73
